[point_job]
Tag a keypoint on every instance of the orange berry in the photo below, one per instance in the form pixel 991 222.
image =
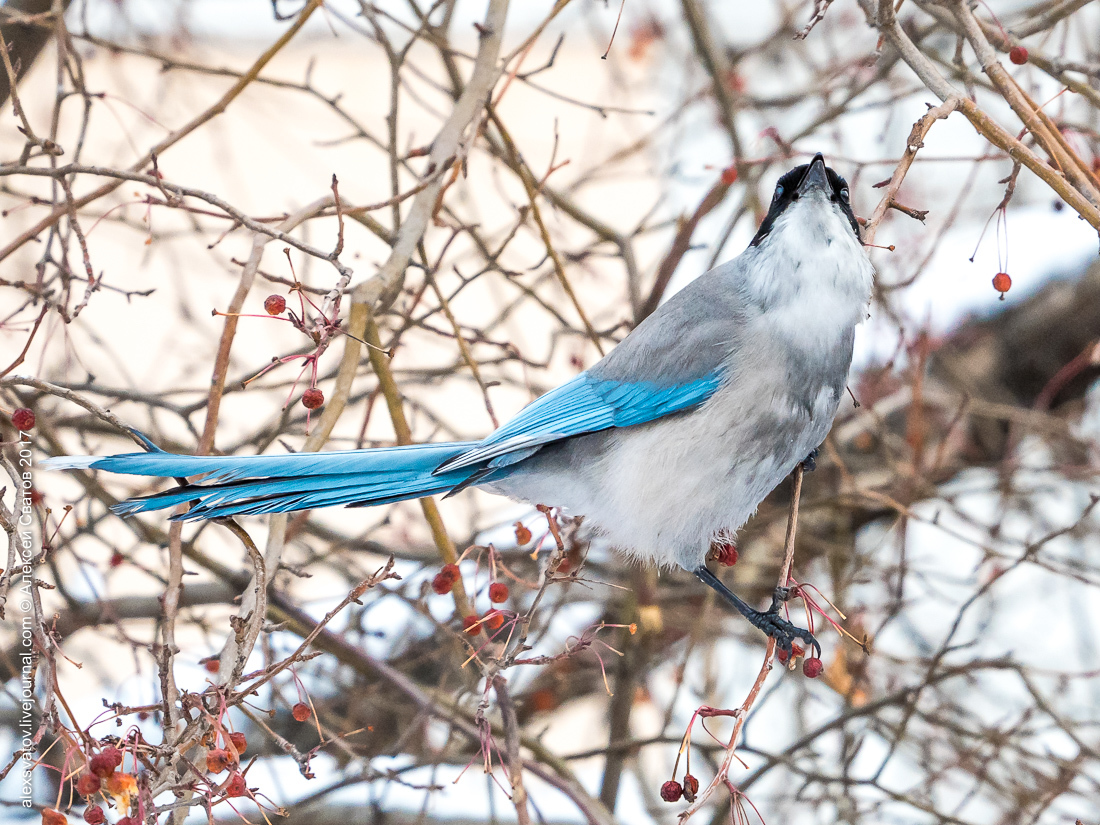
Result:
pixel 691 785
pixel 498 592
pixel 275 305
pixel 494 619
pixel 523 535
pixel 301 712
pixel 471 625
pixel 783 655
pixel 239 741
pixel 729 174
pixel 120 784
pixel 52 817
pixel 1002 283
pixel 217 760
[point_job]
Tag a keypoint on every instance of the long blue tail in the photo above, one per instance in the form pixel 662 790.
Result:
pixel 251 485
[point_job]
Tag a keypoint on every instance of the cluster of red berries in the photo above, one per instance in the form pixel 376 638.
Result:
pixel 312 398
pixel 445 580
pixel 102 773
pixel 672 790
pixel 220 759
pixel 23 419
pixel 493 620
pixel 811 667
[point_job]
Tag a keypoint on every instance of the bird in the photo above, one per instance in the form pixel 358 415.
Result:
pixel 670 440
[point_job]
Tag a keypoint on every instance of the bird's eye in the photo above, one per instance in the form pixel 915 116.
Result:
pixel 778 193
pixel 844 193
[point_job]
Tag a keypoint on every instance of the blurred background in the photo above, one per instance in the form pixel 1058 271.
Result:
pixel 495 194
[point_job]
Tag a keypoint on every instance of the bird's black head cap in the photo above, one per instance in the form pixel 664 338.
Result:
pixel 799 182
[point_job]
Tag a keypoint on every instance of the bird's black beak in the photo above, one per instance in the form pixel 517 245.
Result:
pixel 815 177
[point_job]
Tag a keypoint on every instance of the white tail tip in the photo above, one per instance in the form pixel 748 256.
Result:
pixel 69 462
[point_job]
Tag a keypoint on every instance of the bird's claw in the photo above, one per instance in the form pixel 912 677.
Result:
pixel 778 628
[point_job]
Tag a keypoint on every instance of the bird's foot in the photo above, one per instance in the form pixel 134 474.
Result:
pixel 775 626
pixel 768 620
pixel 809 463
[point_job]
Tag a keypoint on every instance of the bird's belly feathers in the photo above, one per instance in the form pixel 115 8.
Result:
pixel 660 491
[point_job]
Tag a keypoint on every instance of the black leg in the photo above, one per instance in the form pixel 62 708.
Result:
pixel 809 463
pixel 768 621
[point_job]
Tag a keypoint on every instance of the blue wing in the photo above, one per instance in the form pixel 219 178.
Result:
pixel 584 405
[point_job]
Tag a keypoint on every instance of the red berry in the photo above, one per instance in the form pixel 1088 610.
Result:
pixel 1018 55
pixel 212 665
pixel 783 655
pixel 734 82
pixel 727 553
pixel 729 174
pixel 691 787
pixel 23 420
pixel 103 764
pixel 812 667
pixel 498 592
pixel 36 497
pixel 275 304
pixel 88 784
pixel 445 579
pixel 471 624
pixel 128 820
pixel 52 817
pixel 494 619
pixel 301 711
pixel 237 786
pixel 312 398
pixel 239 742
pixel 217 760
pixel 671 791
pixel 1002 283
pixel 93 815
pixel 116 559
